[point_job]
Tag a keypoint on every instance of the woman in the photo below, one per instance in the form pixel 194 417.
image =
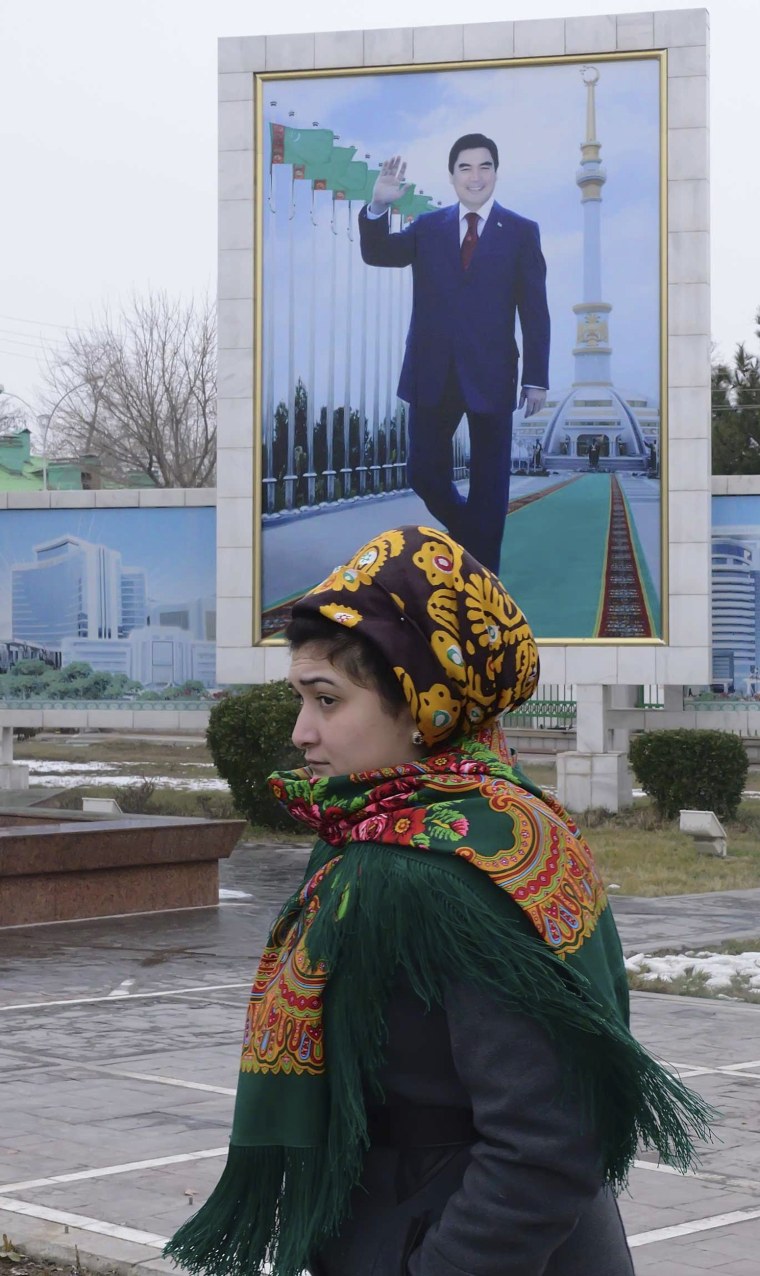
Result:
pixel 437 1075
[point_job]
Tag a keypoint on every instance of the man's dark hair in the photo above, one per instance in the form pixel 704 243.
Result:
pixel 353 654
pixel 471 142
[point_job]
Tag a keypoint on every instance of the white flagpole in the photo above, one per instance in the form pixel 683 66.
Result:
pixel 362 470
pixel 396 284
pixel 270 479
pixel 347 371
pixel 405 315
pixel 378 317
pixel 311 389
pixel 290 477
pixel 391 297
pixel 331 317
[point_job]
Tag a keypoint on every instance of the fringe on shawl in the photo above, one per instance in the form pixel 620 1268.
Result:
pixel 274 1206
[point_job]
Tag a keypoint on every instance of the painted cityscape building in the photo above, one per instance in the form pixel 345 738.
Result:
pixel 736 607
pixel 77 597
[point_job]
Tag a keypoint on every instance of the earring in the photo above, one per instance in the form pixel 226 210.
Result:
pixel 417 737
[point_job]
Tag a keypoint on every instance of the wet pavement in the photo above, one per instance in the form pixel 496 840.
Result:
pixel 119 1041
pixel 686 921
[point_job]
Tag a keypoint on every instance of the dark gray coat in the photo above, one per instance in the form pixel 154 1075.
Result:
pixel 523 1200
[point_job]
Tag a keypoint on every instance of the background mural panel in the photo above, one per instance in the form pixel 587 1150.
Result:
pixel 736 594
pixel 107 603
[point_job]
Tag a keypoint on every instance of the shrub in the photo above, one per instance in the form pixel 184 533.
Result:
pixel 216 806
pixel 249 737
pixel 701 770
pixel 134 798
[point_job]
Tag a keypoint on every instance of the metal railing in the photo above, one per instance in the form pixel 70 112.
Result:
pixel 710 702
pixel 137 706
pixel 551 709
pixel 651 696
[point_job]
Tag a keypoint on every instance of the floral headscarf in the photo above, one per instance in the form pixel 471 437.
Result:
pixel 458 643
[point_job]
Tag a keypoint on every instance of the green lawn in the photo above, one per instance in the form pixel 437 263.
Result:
pixel 553 557
pixel 646 856
pixel 633 849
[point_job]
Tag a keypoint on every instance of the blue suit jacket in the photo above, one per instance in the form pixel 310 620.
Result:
pixel 468 317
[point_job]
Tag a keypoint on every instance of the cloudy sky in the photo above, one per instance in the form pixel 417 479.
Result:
pixel 108 151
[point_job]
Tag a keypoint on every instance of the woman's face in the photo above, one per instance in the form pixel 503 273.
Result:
pixel 343 727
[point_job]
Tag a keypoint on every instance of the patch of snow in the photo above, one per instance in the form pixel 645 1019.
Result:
pixel 71 781
pixel 63 768
pixel 66 775
pixel 720 968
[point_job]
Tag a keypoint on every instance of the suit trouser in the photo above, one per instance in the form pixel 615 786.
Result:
pixel 476 521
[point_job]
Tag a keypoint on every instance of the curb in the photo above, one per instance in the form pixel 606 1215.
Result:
pixel 43 1241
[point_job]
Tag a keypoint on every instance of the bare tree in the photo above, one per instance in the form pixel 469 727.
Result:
pixel 13 419
pixel 139 392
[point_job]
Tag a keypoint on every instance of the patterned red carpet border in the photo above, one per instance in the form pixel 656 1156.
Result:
pixel 624 612
pixel 522 501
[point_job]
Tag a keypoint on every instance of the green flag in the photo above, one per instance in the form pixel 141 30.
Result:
pixel 421 204
pixel 325 174
pixel 366 194
pixel 300 146
pixel 352 181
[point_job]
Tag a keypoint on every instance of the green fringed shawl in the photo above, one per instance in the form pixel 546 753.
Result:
pixel 416 900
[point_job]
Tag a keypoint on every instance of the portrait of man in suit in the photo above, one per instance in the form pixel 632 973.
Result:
pixel 476 265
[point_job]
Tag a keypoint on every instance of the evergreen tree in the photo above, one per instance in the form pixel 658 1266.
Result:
pixel 736 412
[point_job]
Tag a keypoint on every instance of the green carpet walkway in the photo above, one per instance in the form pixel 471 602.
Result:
pixel 554 554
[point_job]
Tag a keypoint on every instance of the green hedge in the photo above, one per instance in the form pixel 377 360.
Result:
pixel 249 737
pixel 691 769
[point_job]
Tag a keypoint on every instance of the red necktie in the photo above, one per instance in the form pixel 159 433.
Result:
pixel 470 241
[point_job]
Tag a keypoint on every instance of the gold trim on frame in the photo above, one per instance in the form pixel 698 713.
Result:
pixel 263 77
pixel 664 348
pixel 257 303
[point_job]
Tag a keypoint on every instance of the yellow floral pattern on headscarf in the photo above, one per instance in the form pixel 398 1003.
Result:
pixel 365 565
pixel 460 646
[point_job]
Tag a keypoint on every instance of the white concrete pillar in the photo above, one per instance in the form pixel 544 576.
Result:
pixel 13 775
pixel 622 697
pixel 673 699
pixel 596 773
pixel 592 735
pixel 589 780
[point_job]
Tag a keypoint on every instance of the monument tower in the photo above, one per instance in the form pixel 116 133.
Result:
pixel 592 411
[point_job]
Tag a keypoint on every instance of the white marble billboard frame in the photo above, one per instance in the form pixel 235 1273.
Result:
pixel 683 33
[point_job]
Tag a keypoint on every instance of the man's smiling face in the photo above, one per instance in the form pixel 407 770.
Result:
pixel 474 177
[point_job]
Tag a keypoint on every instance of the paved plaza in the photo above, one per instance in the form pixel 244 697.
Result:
pixel 119 1041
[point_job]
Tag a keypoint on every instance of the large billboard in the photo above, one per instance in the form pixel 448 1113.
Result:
pixel 419 365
